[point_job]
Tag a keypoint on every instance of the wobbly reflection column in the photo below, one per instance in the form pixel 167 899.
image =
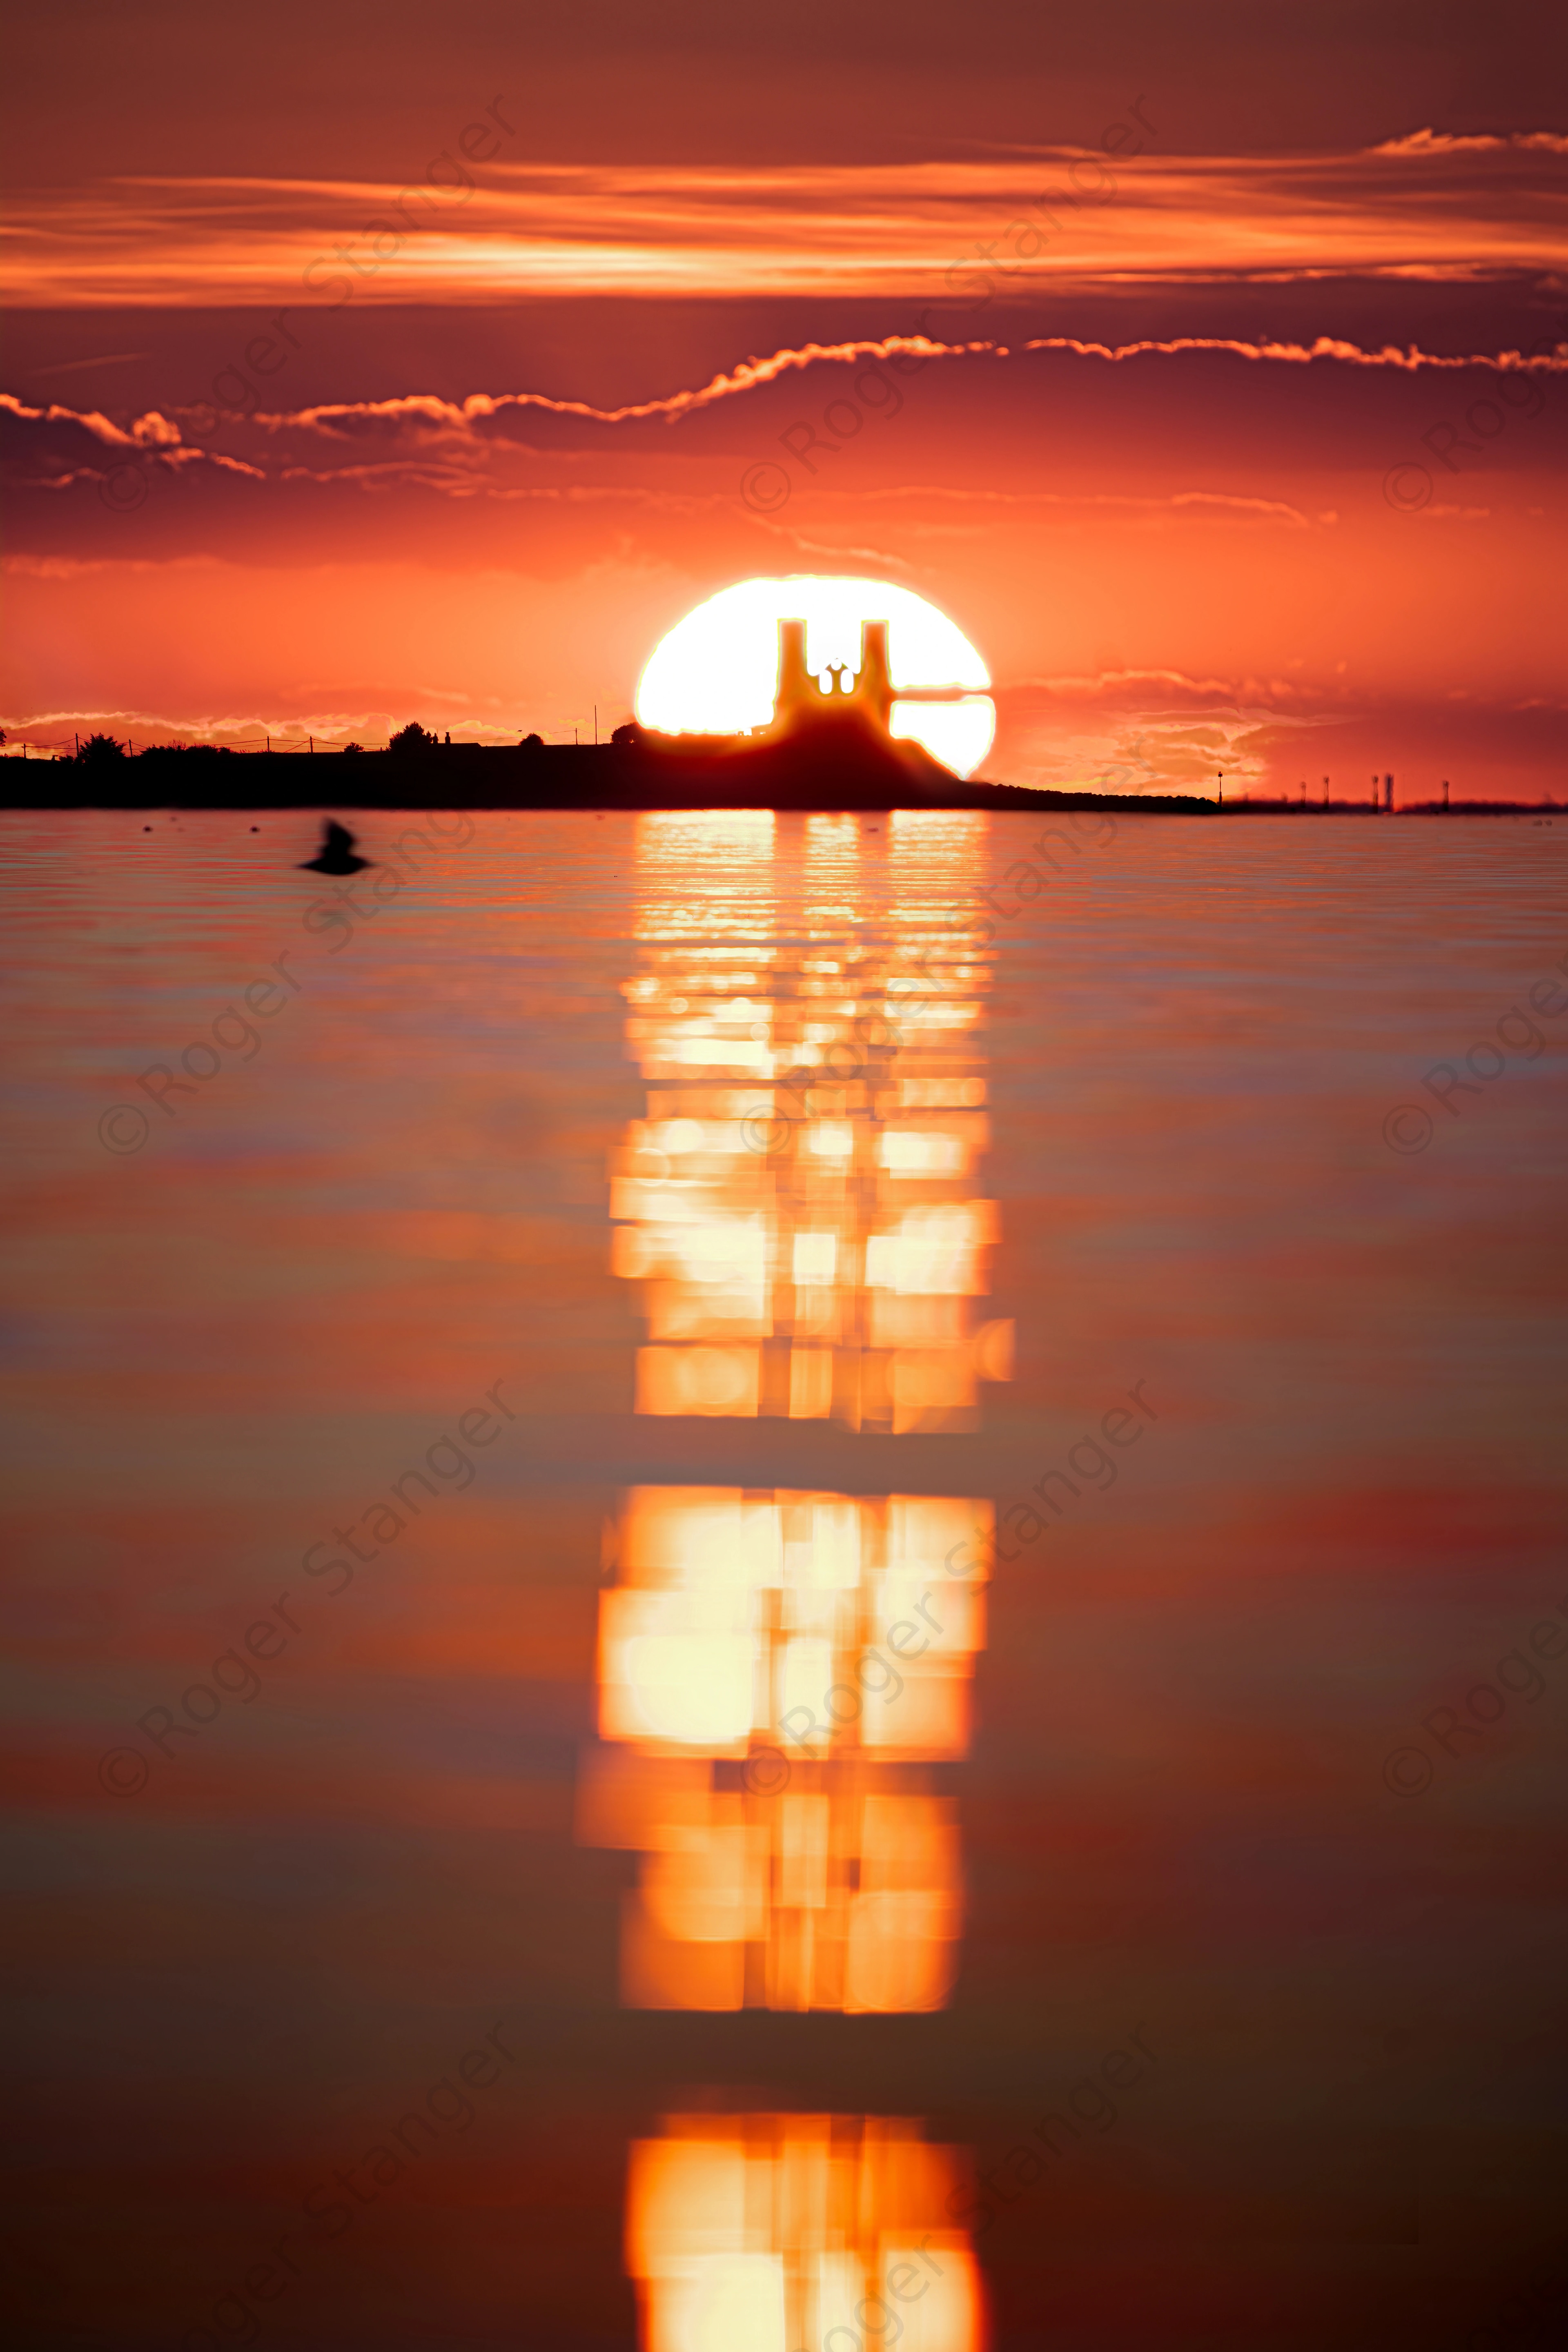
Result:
pixel 764 2232
pixel 785 1671
pixel 799 1208
pixel 773 1670
pixel 799 1203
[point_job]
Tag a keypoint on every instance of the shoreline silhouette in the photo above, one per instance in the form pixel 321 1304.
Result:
pixel 826 767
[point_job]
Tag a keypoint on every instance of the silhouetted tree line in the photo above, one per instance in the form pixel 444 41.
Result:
pixel 102 752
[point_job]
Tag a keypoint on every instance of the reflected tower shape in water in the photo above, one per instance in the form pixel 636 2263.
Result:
pixel 799 1204
pixel 775 2232
pixel 774 1671
pixel 782 1673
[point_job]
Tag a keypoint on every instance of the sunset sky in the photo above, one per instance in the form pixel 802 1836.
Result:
pixel 1205 364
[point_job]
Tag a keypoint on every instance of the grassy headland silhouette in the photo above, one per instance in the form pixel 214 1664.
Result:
pixel 823 749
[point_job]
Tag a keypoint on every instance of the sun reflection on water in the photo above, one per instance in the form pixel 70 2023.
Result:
pixel 781 1673
pixel 764 2232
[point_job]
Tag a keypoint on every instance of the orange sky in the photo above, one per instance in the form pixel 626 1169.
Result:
pixel 460 231
pixel 1227 446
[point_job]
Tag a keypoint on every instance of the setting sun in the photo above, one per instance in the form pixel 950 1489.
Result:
pixel 717 671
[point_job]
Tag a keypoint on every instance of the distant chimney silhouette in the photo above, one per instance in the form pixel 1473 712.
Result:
pixel 873 680
pixel 796 687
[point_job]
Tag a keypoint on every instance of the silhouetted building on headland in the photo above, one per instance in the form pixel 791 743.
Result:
pixel 864 700
pixel 851 704
pixel 828 744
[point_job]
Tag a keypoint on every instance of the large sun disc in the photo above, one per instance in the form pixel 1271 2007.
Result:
pixel 717 671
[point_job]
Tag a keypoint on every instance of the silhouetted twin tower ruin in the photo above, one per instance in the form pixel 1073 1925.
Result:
pixel 864 702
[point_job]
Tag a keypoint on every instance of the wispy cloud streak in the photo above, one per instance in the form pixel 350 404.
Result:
pixel 1426 206
pixel 426 410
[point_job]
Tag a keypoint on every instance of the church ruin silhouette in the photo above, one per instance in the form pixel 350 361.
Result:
pixel 862 702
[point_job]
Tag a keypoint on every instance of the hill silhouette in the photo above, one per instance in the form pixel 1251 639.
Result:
pixel 836 765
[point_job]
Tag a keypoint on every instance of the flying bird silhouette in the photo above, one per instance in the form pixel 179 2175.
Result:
pixel 337 853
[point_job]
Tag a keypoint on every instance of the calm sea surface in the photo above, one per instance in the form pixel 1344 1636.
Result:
pixel 486 1407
